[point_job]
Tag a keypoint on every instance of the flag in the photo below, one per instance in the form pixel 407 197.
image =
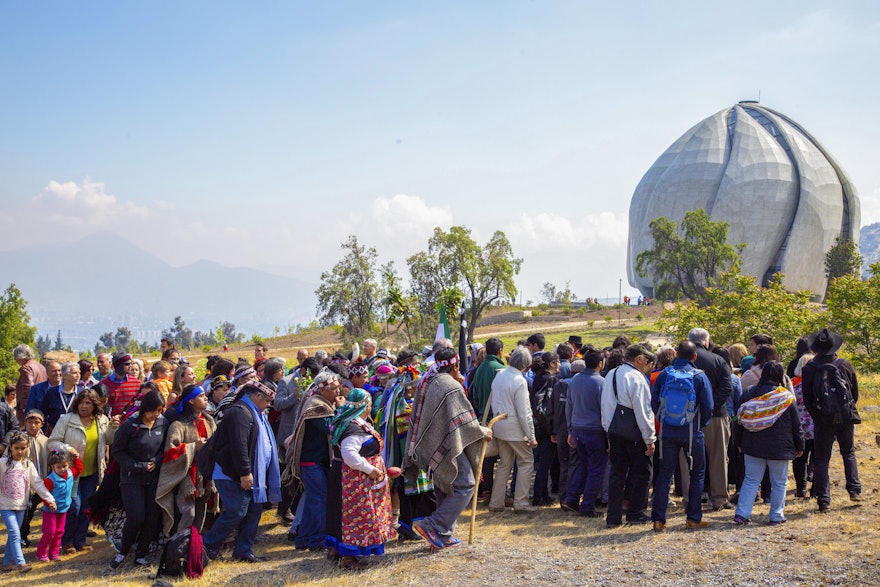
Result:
pixel 443 326
pixel 462 341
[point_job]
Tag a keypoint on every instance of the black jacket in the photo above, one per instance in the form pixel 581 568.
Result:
pixel 8 421
pixel 718 372
pixel 135 446
pixel 539 398
pixel 778 442
pixel 557 410
pixel 236 441
pixel 810 401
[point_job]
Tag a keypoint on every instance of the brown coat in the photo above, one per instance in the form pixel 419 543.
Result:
pixel 29 375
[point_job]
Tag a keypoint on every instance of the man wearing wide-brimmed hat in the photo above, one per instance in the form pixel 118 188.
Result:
pixel 831 391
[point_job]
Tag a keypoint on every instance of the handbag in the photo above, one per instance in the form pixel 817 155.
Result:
pixel 623 424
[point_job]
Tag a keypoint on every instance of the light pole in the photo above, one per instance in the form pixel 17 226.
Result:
pixel 619 299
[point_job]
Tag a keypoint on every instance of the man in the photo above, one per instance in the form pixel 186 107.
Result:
pixel 165 344
pixel 675 438
pixel 370 346
pixel 30 373
pixel 536 343
pixel 834 412
pixel 104 366
pixel 301 355
pixel 308 459
pixel 565 353
pixel 246 473
pixel 627 386
pixel 122 387
pixel 261 351
pixel 586 436
pixel 717 431
pixel 39 391
pixel 479 396
pixel 444 439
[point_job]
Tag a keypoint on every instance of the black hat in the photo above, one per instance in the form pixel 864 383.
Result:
pixel 405 356
pixel 576 339
pixel 825 342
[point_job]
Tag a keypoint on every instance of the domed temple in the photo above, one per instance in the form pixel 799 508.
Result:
pixel 781 192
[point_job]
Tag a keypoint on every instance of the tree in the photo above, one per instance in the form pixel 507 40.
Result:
pixel 426 284
pixel 484 274
pixel 399 307
pixel 854 312
pixel 349 294
pixel 180 334
pixel 226 332
pixel 739 308
pixel 684 264
pixel 548 292
pixel 558 296
pixel 43 345
pixel 15 329
pixel 842 258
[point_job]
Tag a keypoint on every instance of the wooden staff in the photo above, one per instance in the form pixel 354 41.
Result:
pixel 477 473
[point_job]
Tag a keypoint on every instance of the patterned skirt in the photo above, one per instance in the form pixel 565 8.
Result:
pixel 365 524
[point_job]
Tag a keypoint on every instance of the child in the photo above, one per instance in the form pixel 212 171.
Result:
pixel 18 477
pixel 38 454
pixel 162 377
pixel 60 483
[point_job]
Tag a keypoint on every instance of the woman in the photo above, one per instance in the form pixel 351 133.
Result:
pixel 89 432
pixel 138 449
pixel 180 483
pixel 183 376
pixel 801 467
pixel 358 498
pixel 219 389
pixel 768 449
pixel 516 434
pixel 136 370
pixel 546 369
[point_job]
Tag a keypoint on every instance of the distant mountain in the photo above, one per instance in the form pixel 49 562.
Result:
pixel 869 245
pixel 102 281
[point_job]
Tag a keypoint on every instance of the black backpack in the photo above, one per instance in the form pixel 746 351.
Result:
pixel 172 563
pixel 831 388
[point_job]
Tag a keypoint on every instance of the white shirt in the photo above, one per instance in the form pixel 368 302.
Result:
pixel 633 391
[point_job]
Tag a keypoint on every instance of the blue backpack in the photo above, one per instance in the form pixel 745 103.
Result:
pixel 678 398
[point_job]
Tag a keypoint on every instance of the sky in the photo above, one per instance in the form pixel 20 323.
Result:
pixel 262 134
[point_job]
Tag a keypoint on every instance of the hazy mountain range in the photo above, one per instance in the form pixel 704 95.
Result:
pixel 102 281
pixel 869 245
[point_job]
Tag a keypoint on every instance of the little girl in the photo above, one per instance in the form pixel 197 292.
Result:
pixel 60 483
pixel 18 477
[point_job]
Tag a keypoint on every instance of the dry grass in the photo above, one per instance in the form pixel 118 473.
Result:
pixel 841 547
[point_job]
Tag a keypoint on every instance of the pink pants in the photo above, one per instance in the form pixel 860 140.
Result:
pixel 53 531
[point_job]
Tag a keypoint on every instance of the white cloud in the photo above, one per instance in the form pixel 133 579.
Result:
pixel 402 218
pixel 551 231
pixel 73 204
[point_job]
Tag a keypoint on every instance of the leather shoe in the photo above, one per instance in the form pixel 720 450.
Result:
pixel 593 514
pixel 659 526
pixel 643 519
pixel 853 496
pixel 84 548
pixel 497 510
pixel 695 525
pixel 526 509
pixel 824 507
pixel 250 558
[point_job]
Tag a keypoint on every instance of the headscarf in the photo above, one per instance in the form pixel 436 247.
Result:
pixel 358 401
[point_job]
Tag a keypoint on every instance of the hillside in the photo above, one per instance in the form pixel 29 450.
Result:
pixel 869 245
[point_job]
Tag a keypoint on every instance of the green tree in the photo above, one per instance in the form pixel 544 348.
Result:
pixel 684 263
pixel 484 274
pixel 180 334
pixel 854 312
pixel 400 309
pixel 349 294
pixel 739 308
pixel 43 345
pixel 426 284
pixel 842 258
pixel 15 329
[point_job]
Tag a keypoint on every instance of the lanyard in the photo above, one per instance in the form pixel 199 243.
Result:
pixel 66 404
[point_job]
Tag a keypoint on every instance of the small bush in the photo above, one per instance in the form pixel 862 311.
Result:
pixel 590 323
pixel 608 319
pixel 206 349
pixel 640 316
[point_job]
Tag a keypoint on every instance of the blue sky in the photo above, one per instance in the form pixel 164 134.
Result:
pixel 263 133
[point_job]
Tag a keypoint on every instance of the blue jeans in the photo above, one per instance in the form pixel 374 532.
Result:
pixel 241 512
pixel 668 461
pixel 778 480
pixel 314 520
pixel 588 476
pixel 13 519
pixel 77 525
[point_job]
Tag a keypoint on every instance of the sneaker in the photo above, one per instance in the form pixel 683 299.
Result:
pixel 777 522
pixel 141 562
pixel 853 496
pixel 23 568
pixel 496 510
pixel 432 537
pixel 43 559
pixel 659 526
pixel 741 521
pixel 212 554
pixel 800 494
pixel 451 542
pixel 84 548
pixel 695 525
pixel 117 560
pixel 68 549
pixel 724 506
pixel 91 534
pixel 526 509
pixel 643 519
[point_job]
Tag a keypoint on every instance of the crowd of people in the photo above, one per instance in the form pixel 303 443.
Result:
pixel 356 449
